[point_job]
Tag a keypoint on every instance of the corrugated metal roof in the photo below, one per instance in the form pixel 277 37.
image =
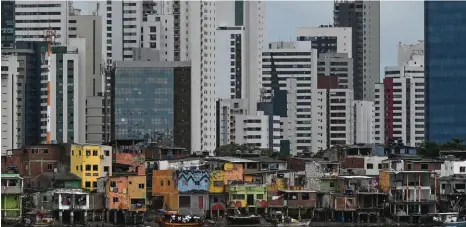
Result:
pixel 233 159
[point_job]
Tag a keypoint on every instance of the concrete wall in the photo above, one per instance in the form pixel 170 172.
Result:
pixel 198 205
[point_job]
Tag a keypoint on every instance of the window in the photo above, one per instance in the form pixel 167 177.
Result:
pixel 161 182
pixel 304 196
pixel 88 153
pixel 185 201
pixel 369 166
pixel 88 167
pixel 410 166
pixel 77 168
pixel 72 152
pixel 462 169
pixel 94 153
pixel 95 168
pixel 424 166
pixel 238 197
pixel 107 153
pixel 259 196
pixel 380 166
pixel 88 184
pixel 106 169
pixel 153 29
pixel 94 184
pixel 115 199
pixel 49 166
pixel 196 183
pixel 168 182
pixel 112 184
pixel 46 151
pixel 44 198
pixel 141 186
pixel 79 153
pixel 332 184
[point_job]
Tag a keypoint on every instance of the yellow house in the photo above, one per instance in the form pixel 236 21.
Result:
pixel 86 162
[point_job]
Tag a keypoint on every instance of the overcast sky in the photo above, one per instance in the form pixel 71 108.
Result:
pixel 401 21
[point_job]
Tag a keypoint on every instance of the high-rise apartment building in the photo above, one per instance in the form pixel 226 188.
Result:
pixel 295 66
pixel 121 25
pixel 332 117
pixel 33 18
pixel 364 19
pixel 399 100
pixel 8 24
pixel 327 39
pixel 20 95
pixel 239 47
pixel 364 121
pixel 445 62
pixel 63 93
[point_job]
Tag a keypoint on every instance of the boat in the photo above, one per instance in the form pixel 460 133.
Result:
pixel 175 220
pixel 278 219
pixel 235 217
pixel 451 219
pixel 44 222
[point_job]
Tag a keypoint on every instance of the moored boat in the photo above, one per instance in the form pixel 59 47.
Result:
pixel 451 219
pixel 174 220
pixel 235 217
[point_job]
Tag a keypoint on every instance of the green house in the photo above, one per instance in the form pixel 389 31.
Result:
pixel 247 195
pixel 12 190
pixel 49 180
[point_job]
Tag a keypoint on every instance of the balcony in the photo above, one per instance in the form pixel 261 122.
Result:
pixel 12 190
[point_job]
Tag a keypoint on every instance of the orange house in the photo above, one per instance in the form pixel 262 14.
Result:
pixel 126 193
pixel 164 189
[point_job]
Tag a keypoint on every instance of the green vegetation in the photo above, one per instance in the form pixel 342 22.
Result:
pixel 432 149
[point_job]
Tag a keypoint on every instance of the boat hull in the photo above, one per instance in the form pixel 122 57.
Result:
pixel 244 220
pixel 174 224
pixel 296 224
pixel 455 224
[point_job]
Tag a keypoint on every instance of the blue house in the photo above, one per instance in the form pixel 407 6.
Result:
pixel 193 180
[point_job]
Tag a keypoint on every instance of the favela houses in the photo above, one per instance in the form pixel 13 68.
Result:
pixel 132 183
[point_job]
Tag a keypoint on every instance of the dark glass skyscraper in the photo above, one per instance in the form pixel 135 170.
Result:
pixel 8 24
pixel 445 69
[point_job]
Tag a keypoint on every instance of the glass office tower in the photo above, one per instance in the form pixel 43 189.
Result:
pixel 445 68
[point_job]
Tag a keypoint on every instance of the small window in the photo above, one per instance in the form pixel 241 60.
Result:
pixel 106 168
pixel 112 184
pixel 168 182
pixel 94 153
pixel 49 166
pixel 94 184
pixel 196 182
pixel 77 168
pixel 88 184
pixel 161 182
pixel 88 153
pixel 410 166
pixel 72 152
pixel 88 167
pixel 369 166
pixel 380 166
pixel 259 196
pixel 115 199
pixel 424 166
pixel 462 169
pixel 95 168
pixel 141 186
pixel 44 198
pixel 46 151
pixel 79 153
pixel 107 153
pixel 332 184
pixel 304 196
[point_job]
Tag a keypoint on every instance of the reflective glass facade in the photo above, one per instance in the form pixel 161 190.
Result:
pixel 143 103
pixel 445 62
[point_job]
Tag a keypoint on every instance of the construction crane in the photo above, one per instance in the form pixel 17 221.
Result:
pixel 49 36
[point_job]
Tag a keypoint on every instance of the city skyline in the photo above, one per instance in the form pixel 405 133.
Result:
pixel 401 21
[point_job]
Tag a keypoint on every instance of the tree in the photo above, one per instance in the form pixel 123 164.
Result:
pixel 432 149
pixel 228 149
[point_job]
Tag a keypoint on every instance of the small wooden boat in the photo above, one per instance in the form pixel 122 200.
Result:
pixel 176 224
pixel 44 222
pixel 278 219
pixel 236 218
pixel 451 219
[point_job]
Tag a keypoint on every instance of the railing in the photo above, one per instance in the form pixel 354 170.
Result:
pixel 12 190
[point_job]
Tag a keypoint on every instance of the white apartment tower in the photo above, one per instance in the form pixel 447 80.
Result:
pixel 296 68
pixel 63 93
pixel 13 91
pixel 33 18
pixel 399 100
pixel 240 43
pixel 364 121
pixel 121 23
